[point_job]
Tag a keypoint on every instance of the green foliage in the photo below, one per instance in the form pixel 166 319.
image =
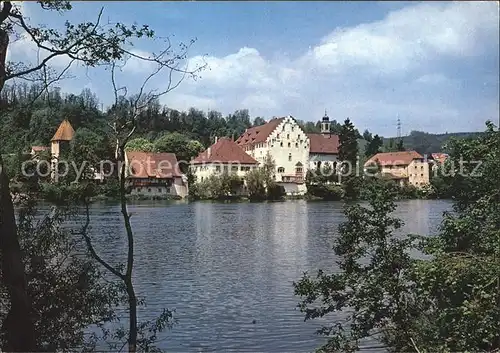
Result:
pixel 68 291
pixel 256 184
pixel 184 148
pixel 348 156
pixel 400 146
pixel 217 187
pixel 321 184
pixel 373 147
pixel 445 301
pixel 139 144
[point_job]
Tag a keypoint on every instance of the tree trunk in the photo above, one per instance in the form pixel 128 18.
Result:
pixel 132 299
pixel 18 328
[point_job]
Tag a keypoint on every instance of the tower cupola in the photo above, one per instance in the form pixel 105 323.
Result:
pixel 325 124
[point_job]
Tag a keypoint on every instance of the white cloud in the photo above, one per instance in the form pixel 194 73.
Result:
pixel 137 64
pixel 371 72
pixel 408 37
pixel 185 101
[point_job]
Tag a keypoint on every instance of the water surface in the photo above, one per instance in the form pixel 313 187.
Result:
pixel 228 268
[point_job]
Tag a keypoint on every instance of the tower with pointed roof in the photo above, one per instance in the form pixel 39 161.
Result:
pixel 63 135
pixel 325 124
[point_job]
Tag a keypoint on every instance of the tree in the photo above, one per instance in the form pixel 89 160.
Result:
pixel 373 146
pixel 400 146
pixel 255 181
pixel 68 291
pixel 258 121
pixel 348 156
pixel 123 119
pixel 140 144
pixel 179 144
pixel 448 299
pixel 88 149
pixel 88 43
pixel 367 135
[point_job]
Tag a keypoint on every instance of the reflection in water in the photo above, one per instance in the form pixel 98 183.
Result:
pixel 228 269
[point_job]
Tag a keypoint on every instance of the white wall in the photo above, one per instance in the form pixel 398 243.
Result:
pixel 325 159
pixel 288 139
pixel 204 171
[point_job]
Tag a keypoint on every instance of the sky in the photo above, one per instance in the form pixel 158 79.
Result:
pixel 433 65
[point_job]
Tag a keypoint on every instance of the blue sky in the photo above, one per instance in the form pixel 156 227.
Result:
pixel 435 65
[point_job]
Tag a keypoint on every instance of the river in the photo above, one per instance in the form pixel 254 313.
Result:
pixel 227 268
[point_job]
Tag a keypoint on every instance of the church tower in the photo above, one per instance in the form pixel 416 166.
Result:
pixel 325 124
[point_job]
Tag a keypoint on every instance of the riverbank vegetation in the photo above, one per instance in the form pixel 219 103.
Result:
pixel 447 299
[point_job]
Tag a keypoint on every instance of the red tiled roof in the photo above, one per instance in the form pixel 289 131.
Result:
pixel 439 157
pixel 152 165
pixel 64 132
pixel 39 148
pixel 224 151
pixel 395 158
pixel 259 133
pixel 323 143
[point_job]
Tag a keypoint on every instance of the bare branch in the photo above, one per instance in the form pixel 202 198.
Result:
pixel 7 6
pixel 54 52
pixel 90 246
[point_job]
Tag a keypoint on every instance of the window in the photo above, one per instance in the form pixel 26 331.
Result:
pixel 281 144
pixel 290 157
pixel 421 175
pixel 288 136
pixel 234 168
pixel 289 144
pixel 292 128
pixel 160 190
pixel 139 189
pixel 217 168
pixel 415 167
pixel 296 145
pixel 149 190
pixel 422 167
pixel 298 170
pixel 281 170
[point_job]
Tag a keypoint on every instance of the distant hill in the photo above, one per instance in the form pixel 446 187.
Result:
pixel 425 143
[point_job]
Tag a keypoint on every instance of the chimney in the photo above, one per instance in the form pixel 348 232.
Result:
pixel 216 138
pixel 209 152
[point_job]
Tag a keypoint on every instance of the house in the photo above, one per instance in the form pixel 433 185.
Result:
pixel 439 158
pixel 154 174
pixel 223 156
pixel 407 167
pixel 288 145
pixel 324 147
pixel 37 150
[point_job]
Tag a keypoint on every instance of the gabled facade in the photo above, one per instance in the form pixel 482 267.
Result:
pixel 408 167
pixel 223 156
pixel 288 145
pixel 154 174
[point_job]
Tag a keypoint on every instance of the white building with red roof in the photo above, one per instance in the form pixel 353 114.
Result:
pixel 223 156
pixel 324 147
pixel 287 144
pixel 154 174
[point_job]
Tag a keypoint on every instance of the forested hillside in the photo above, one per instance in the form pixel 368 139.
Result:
pixel 426 143
pixel 29 119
